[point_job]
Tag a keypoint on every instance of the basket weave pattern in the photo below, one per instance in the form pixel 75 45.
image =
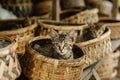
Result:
pixel 9 65
pixel 36 66
pixel 22 36
pixel 97 48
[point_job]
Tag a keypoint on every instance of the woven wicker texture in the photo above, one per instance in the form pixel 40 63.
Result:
pixel 113 25
pixel 46 26
pixel 20 8
pixel 22 35
pixel 39 67
pixel 86 16
pixel 107 69
pixel 97 48
pixel 9 65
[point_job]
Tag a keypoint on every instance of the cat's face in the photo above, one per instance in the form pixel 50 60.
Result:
pixel 63 42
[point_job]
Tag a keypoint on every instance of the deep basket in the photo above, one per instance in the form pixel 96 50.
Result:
pixel 9 64
pixel 22 35
pixel 38 67
pixel 97 48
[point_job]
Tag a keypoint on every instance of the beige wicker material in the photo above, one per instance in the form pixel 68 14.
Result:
pixel 115 56
pixel 106 70
pixel 114 25
pixel 38 67
pixel 105 7
pixel 86 16
pixel 9 65
pixel 22 35
pixel 46 26
pixel 97 48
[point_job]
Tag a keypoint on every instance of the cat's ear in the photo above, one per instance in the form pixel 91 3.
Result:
pixel 73 35
pixel 53 34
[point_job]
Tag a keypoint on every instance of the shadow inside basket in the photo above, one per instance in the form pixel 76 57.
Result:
pixel 46 48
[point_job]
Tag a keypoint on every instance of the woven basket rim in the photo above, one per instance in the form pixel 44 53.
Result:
pixel 104 36
pixel 77 62
pixel 13 42
pixel 65 26
pixel 16 31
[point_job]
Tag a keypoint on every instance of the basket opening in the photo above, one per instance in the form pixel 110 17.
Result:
pixel 4 43
pixel 62 24
pixel 13 25
pixel 47 48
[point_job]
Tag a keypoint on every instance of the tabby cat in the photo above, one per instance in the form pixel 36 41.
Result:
pixel 62 44
pixel 94 31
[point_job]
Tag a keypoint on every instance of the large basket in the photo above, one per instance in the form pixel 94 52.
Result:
pixel 114 25
pixel 38 67
pixel 9 65
pixel 86 16
pixel 46 26
pixel 22 35
pixel 20 8
pixel 97 48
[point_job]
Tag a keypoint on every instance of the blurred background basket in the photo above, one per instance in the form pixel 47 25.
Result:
pixel 97 48
pixel 114 25
pixel 85 16
pixel 36 66
pixel 9 65
pixel 22 35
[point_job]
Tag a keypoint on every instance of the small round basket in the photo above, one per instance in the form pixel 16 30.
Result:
pixel 86 16
pixel 113 25
pixel 38 67
pixel 97 48
pixel 9 65
pixel 22 35
pixel 46 26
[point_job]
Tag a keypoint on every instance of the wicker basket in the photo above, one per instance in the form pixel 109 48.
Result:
pixel 86 16
pixel 107 69
pixel 9 65
pixel 38 67
pixel 105 7
pixel 45 27
pixel 66 4
pixel 113 25
pixel 97 48
pixel 43 7
pixel 20 8
pixel 22 35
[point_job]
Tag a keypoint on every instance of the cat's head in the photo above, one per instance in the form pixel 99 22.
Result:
pixel 63 43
